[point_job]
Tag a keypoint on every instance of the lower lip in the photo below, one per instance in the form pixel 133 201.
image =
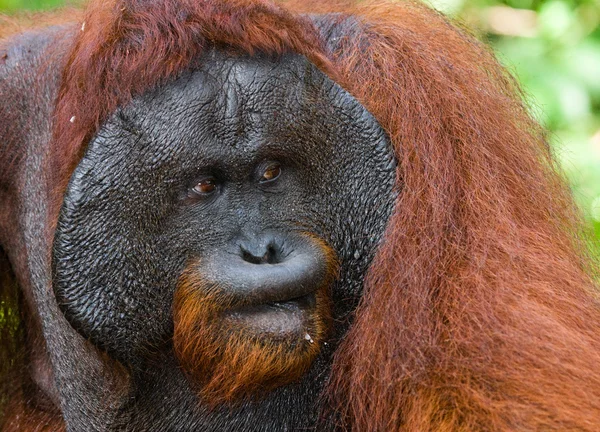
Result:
pixel 275 320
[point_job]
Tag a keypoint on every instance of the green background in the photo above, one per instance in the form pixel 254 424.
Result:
pixel 553 47
pixel 13 5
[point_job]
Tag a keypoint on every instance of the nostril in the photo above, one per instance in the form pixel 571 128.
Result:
pixel 251 258
pixel 261 255
pixel 272 255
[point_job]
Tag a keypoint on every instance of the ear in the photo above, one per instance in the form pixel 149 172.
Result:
pixel 31 67
pixel 337 30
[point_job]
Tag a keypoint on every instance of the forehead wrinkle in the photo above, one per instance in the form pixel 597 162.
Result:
pixel 231 103
pixel 244 100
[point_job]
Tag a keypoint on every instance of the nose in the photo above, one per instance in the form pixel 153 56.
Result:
pixel 266 249
pixel 267 268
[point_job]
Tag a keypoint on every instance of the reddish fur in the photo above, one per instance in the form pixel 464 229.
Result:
pixel 22 416
pixel 479 312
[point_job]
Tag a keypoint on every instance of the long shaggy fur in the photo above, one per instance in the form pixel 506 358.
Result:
pixel 480 311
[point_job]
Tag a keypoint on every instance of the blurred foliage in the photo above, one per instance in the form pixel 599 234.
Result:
pixel 13 5
pixel 553 47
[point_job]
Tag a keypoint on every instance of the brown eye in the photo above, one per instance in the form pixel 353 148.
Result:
pixel 271 173
pixel 205 187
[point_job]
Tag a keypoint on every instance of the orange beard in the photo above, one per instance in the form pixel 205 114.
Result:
pixel 229 360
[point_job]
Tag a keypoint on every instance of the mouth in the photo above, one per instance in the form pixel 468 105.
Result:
pixel 278 319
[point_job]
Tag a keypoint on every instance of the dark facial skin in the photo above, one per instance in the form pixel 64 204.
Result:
pixel 236 165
